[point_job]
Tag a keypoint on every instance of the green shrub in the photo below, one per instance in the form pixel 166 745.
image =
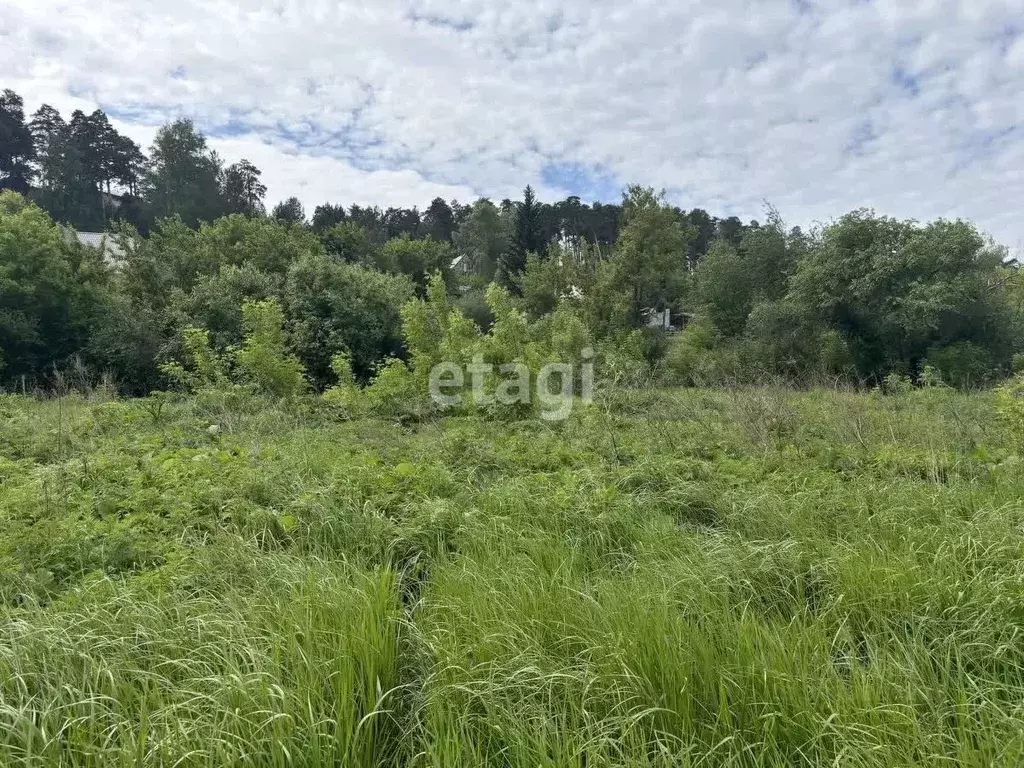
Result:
pixel 700 357
pixel 344 394
pixel 621 362
pixel 473 304
pixel 262 360
pixel 202 366
pixel 931 378
pixel 962 365
pixel 834 355
pixel 895 385
pixel 396 393
pixel 1010 407
pixel 332 307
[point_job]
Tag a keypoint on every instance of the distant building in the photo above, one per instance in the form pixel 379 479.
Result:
pixel 113 253
pixel 664 320
pixel 661 319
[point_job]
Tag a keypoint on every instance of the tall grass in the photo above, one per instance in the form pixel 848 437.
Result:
pixel 698 577
pixel 222 661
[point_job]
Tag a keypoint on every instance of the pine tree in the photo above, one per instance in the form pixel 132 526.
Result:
pixel 243 191
pixel 290 212
pixel 439 220
pixel 16 148
pixel 49 136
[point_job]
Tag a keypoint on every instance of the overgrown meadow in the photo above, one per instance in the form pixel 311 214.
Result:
pixel 668 578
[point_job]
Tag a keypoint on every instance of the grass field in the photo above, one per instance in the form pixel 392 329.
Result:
pixel 686 578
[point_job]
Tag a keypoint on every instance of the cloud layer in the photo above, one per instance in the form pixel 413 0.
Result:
pixel 911 106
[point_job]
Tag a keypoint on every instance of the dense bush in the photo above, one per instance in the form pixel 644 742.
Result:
pixel 473 304
pixel 700 357
pixel 49 290
pixel 333 307
pixel 963 364
pixel 419 259
pixel 263 360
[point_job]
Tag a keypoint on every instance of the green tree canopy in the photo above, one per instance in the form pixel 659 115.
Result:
pixel 723 288
pixel 184 175
pixel 896 289
pixel 439 220
pixel 418 259
pixel 350 242
pixel 43 289
pixel 333 308
pixel 650 257
pixel 527 237
pixel 243 190
pixel 290 212
pixel 482 238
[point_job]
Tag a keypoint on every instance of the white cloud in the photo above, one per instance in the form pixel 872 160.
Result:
pixel 318 179
pixel 911 106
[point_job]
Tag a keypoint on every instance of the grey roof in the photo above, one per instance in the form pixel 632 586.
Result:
pixel 112 251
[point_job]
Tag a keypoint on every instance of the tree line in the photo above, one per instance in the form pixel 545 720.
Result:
pixel 863 298
pixel 87 175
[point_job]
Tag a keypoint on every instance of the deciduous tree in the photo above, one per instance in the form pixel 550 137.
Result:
pixel 482 238
pixel 184 176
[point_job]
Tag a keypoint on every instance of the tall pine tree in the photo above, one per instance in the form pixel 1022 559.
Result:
pixel 243 190
pixel 49 136
pixel 439 220
pixel 16 148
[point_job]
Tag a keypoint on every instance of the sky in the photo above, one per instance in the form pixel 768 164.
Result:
pixel 818 107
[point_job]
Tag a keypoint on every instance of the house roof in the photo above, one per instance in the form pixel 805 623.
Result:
pixel 112 251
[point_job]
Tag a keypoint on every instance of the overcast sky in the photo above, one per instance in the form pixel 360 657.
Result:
pixel 913 107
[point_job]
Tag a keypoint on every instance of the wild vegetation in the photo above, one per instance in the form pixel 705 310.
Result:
pixel 669 577
pixel 865 298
